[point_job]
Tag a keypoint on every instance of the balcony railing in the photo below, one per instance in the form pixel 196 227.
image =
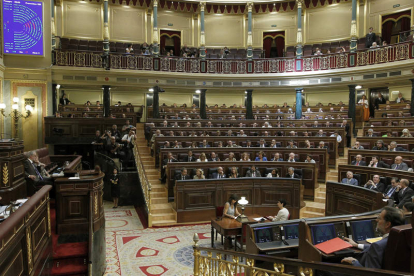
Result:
pixel 392 53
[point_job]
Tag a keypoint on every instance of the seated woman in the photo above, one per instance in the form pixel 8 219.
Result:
pixel 203 158
pixel 283 213
pixel 261 157
pixel 230 208
pixel 234 173
pixel 199 174
pixel 309 159
pixel 308 145
pixel 245 157
pixel 273 173
pixel 406 133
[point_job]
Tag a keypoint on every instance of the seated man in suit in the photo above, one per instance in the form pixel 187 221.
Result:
pixel 399 164
pixel 358 161
pixel 380 146
pixel 183 175
pixel 213 157
pixel 170 158
pixel 403 193
pixel 357 146
pixel 253 172
pixel 350 179
pixel 392 189
pixel 205 144
pixel 291 157
pixel 371 133
pixel 219 174
pixel 277 157
pixel 320 133
pixel 32 172
pixel 190 157
pixel 393 147
pixel 242 134
pixel 152 142
pixel 230 144
pixel 322 145
pixel 375 184
pixel 64 100
pixel 372 255
pixel 374 163
pixel 291 173
pixel 291 145
pixel 262 144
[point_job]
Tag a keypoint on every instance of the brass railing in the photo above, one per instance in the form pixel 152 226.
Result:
pixel 391 53
pixel 143 179
pixel 211 262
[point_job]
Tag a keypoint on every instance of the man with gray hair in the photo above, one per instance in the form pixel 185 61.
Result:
pixel 32 172
pixel 291 173
pixel 371 133
pixel 393 147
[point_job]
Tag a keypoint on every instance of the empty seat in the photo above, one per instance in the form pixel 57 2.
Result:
pixel 72 47
pixel 74 42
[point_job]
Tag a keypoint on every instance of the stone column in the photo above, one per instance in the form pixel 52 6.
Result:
pixel 351 107
pixel 354 38
pixel 202 35
pixel 412 97
pixel 52 23
pixel 155 46
pixel 249 31
pixel 299 40
pixel 156 103
pixel 105 57
pixel 106 100
pixel 298 112
pixel 249 104
pixel 203 113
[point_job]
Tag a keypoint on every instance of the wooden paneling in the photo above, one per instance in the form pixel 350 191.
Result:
pixel 368 154
pixel 343 199
pixel 371 142
pixel 309 170
pixel 196 200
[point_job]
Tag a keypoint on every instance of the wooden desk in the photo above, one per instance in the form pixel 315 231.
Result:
pixel 25 238
pixel 384 121
pixel 343 199
pixel 197 200
pixel 381 154
pixel 370 142
pixel 75 198
pixel 13 184
pixel 228 227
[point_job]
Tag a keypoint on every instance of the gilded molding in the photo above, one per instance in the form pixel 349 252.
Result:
pixel 249 39
pixel 5 175
pixel 29 249
pixel 353 29
pixel 202 39
pixel 49 225
pixel 202 6
pixel 96 204
pixel 155 3
pixel 155 35
pixel 249 7
pixel 299 39
pixel 300 3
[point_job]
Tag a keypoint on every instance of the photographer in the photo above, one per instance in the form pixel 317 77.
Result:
pixel 128 145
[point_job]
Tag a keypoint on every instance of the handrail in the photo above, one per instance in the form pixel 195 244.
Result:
pixel 107 158
pixel 391 53
pixel 145 184
pixel 207 264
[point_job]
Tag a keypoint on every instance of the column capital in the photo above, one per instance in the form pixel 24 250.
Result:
pixel 299 90
pixel 249 6
pixel 155 3
pixel 105 0
pixel 202 6
pixel 299 3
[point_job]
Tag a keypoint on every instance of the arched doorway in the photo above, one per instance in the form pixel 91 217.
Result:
pixel 394 24
pixel 274 44
pixel 170 40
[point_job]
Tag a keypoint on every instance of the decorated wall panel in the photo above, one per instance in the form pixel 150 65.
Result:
pixel 274 22
pixel 225 30
pixel 182 22
pixel 318 29
pixel 127 24
pixel 82 20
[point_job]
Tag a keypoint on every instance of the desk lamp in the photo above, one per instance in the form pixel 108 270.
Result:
pixel 243 202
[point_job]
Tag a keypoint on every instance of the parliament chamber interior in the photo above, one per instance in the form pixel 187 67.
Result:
pixel 212 137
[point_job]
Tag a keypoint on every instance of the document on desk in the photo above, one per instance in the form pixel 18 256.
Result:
pixel 374 240
pixel 74 177
pixel 22 201
pixel 333 245
pixel 2 209
pixel 258 219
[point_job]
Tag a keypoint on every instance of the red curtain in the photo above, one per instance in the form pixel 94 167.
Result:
pixel 176 37
pixel 388 22
pixel 279 38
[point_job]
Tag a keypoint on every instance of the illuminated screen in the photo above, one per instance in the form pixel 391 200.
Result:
pixel 291 231
pixel 23 27
pixel 322 232
pixel 263 235
pixel 362 230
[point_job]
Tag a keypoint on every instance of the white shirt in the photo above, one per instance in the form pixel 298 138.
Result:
pixel 283 214
pixel 128 138
pixel 198 160
pixel 338 138
pixel 364 102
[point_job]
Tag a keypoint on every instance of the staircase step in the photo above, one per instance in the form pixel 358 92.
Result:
pixel 159 200
pixel 158 189
pixel 164 223
pixel 158 194
pixel 75 266
pixel 161 208
pixel 320 199
pixel 321 194
pixel 163 216
pixel 308 214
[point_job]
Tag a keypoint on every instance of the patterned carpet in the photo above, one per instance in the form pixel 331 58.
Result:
pixel 132 250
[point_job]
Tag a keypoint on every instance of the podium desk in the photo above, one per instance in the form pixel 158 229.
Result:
pixel 79 203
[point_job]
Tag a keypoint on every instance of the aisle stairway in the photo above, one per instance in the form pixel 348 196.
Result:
pixel 162 213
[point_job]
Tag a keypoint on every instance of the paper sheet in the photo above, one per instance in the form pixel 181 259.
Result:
pixel 333 245
pixel 374 240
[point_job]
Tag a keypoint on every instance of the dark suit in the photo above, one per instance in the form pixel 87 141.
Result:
pixel 373 135
pixel 348 136
pixel 403 197
pixel 401 167
pixel 379 101
pixel 390 190
pixel 353 181
pixel 280 159
pixel 206 146
pixel 182 177
pixel 249 173
pixel 377 148
pixel 294 175
pixel 361 163
pixel 216 176
pixel 34 185
pixel 380 187
pixel 381 164
pixel 369 39
pixel 64 101
pixel 372 255
pixel 189 159
pixel 399 149
pixel 164 163
pixel 214 159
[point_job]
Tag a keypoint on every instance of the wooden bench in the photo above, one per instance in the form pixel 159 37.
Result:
pixel 386 156
pixel 370 142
